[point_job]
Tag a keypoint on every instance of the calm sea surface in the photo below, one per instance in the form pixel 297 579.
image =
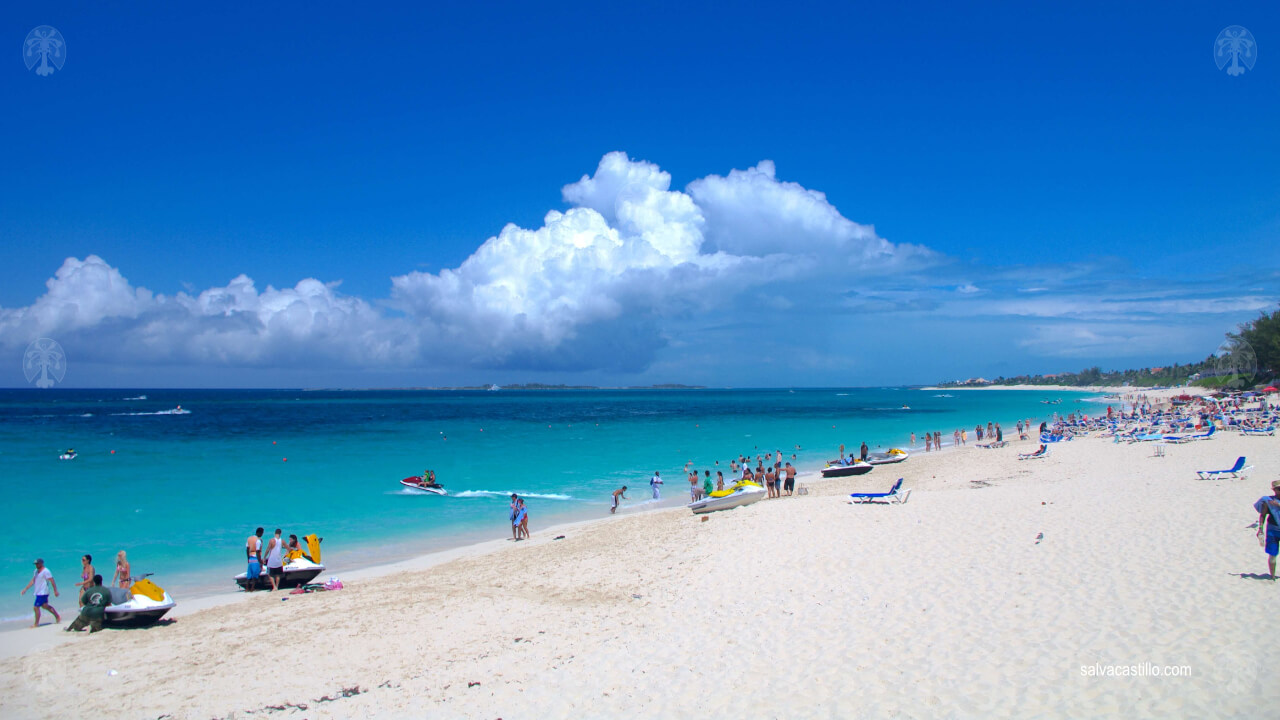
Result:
pixel 179 492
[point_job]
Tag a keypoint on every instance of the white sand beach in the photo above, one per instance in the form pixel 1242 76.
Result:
pixel 993 592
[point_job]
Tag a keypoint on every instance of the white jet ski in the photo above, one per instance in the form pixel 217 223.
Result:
pixel 142 604
pixel 742 493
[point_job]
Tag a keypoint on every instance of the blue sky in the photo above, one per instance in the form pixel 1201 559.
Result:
pixel 306 193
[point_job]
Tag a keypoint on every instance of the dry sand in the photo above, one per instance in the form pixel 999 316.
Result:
pixel 983 596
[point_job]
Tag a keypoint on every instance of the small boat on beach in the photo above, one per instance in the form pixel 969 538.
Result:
pixel 143 603
pixel 895 455
pixel 742 493
pixel 837 469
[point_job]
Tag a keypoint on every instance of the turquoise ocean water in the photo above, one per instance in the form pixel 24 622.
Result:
pixel 181 491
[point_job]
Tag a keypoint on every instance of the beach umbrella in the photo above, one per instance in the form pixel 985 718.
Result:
pixel 1269 388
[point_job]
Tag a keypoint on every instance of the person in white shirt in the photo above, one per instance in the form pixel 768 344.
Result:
pixel 42 580
pixel 655 482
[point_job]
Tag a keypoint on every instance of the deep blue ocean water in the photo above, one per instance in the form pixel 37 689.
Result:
pixel 180 492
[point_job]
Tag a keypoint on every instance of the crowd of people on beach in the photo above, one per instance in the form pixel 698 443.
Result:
pixel 993 434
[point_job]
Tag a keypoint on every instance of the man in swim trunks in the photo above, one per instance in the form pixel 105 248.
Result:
pixel 253 553
pixel 616 493
pixel 42 580
pixel 790 483
pixel 1269 525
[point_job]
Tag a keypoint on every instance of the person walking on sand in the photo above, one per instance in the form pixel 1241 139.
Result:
pixel 1269 525
pixel 523 519
pixel 253 553
pixel 655 482
pixel 41 581
pixel 621 492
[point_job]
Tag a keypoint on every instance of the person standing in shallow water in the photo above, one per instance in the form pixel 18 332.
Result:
pixel 655 482
pixel 620 492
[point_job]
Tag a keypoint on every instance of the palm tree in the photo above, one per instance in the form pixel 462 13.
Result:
pixel 44 355
pixel 45 44
pixel 1234 42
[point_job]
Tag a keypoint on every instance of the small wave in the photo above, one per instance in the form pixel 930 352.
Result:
pixel 140 397
pixel 494 493
pixel 86 415
pixel 842 394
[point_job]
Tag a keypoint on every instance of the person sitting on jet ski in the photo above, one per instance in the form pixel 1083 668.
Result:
pixel 429 479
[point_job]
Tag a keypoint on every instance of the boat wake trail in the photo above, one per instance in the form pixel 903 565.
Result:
pixel 494 493
pixel 158 412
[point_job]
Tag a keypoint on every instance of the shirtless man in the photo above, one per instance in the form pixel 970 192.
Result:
pixel 253 553
pixel 790 484
pixel 616 494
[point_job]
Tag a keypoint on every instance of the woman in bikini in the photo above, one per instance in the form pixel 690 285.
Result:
pixel 121 578
pixel 86 575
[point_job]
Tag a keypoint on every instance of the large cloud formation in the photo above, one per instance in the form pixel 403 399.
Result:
pixel 595 287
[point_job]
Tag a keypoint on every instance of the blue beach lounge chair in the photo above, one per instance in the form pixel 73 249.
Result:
pixel 895 494
pixel 1235 471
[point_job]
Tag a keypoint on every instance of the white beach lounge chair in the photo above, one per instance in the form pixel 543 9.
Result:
pixel 895 495
pixel 1237 471
pixel 1035 455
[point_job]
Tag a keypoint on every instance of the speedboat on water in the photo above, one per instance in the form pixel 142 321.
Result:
pixel 742 493
pixel 144 603
pixel 417 484
pixel 887 458
pixel 299 569
pixel 838 469
pixel 68 455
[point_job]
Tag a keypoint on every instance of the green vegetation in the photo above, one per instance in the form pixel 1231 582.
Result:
pixel 1255 343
